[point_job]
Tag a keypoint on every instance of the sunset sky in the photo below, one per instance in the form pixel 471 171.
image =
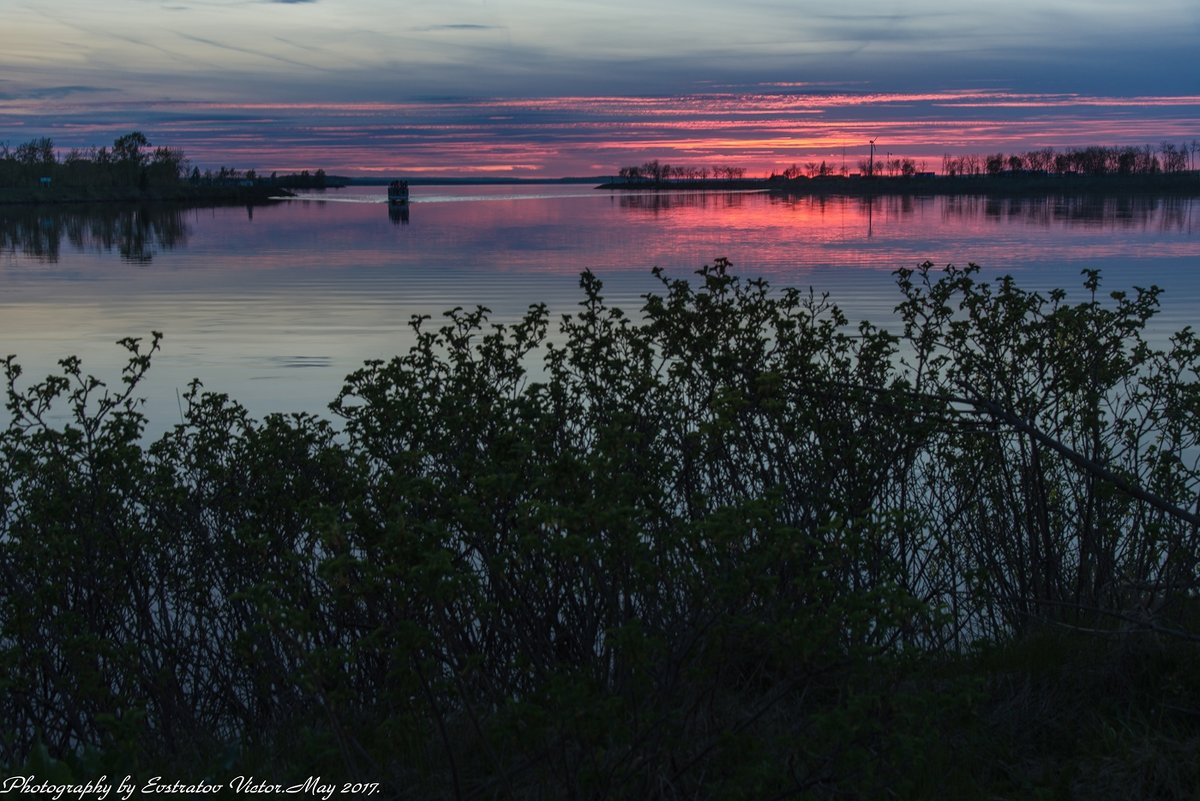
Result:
pixel 547 88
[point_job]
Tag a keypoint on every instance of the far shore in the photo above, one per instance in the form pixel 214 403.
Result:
pixel 1005 184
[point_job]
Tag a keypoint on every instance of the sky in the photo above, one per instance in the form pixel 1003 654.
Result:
pixel 551 88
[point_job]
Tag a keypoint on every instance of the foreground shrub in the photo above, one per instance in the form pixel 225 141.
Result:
pixel 704 553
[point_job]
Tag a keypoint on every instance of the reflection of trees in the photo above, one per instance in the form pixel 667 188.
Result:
pixel 1165 213
pixel 135 232
pixel 1147 212
pixel 656 202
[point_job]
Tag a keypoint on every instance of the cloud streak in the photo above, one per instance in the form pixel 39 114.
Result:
pixel 53 92
pixel 629 46
pixel 568 88
pixel 246 50
pixel 594 135
pixel 461 26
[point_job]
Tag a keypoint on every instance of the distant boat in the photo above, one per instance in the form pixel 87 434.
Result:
pixel 398 193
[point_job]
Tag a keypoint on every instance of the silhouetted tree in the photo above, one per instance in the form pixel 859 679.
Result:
pixel 36 152
pixel 1173 160
pixel 128 148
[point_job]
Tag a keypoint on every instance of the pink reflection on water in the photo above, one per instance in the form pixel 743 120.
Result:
pixel 561 228
pixel 248 297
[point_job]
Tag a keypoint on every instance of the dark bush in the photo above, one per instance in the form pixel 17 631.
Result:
pixel 724 550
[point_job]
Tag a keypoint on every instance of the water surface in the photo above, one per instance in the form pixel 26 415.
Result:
pixel 275 305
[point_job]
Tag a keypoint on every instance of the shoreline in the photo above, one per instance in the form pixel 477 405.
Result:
pixel 1007 185
pixel 224 195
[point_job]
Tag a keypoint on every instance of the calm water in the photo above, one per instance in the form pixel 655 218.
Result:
pixel 275 305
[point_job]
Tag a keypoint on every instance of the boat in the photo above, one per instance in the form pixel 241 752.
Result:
pixel 398 193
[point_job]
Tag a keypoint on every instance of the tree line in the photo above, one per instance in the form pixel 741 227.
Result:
pixel 131 163
pixel 1168 158
pixel 658 173
pixel 899 166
